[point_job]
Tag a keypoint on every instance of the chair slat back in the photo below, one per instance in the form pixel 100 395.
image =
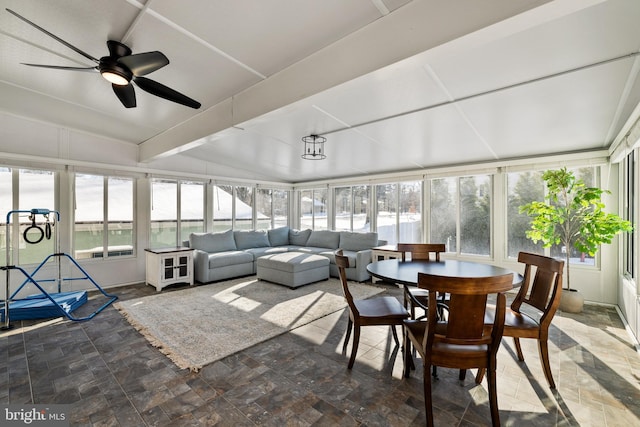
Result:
pixel 422 251
pixel 542 283
pixel 465 322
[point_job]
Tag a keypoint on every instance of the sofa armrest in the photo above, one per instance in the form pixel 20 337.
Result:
pixel 363 258
pixel 200 265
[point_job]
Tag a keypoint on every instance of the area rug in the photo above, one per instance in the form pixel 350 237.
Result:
pixel 199 325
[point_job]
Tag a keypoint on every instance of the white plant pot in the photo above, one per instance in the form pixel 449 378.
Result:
pixel 571 301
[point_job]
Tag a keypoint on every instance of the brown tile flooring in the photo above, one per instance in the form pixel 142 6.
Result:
pixel 113 377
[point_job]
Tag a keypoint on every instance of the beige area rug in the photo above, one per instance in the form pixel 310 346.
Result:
pixel 199 325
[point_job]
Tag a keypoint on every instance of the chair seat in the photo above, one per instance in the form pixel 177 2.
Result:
pixel 515 324
pixel 381 307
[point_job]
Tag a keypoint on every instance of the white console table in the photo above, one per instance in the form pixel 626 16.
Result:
pixel 380 253
pixel 166 266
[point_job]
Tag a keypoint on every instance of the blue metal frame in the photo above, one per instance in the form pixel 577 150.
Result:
pixel 30 279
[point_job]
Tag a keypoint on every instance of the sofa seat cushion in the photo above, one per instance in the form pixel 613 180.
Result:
pixel 223 259
pixel 259 252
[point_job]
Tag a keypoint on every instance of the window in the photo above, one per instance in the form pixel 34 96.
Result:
pixel 361 211
pixel 525 187
pixel 461 214
pixel 522 188
pixel 164 213
pixel 410 213
pixel 222 207
pixel 343 201
pixel 243 208
pixel 590 177
pixel 313 209
pixel 233 207
pixel 352 208
pixel 191 208
pixel 399 215
pixel 475 214
pixel 629 214
pixel 36 189
pixel 6 204
pixel 92 234
pixel 443 217
pixel 167 200
pixel 387 213
pixel 272 208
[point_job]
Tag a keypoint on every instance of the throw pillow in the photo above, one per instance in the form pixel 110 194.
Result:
pixel 299 237
pixel 247 239
pixel 279 236
pixel 350 241
pixel 213 242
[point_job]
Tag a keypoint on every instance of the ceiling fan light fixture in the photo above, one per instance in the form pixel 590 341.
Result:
pixel 114 78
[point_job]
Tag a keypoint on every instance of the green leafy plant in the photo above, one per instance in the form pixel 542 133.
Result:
pixel 572 215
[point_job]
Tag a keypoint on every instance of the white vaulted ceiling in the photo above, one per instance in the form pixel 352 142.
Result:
pixel 394 85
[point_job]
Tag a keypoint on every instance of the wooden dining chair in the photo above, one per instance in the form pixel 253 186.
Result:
pixel 540 292
pixel 462 340
pixel 372 311
pixel 416 297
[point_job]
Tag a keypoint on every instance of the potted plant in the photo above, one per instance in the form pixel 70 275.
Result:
pixel 572 215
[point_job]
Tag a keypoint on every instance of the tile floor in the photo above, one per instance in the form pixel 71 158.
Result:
pixel 112 377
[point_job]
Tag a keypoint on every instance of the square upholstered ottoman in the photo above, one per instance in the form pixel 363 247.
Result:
pixel 293 269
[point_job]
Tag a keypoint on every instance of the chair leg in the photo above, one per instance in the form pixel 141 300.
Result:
pixel 395 334
pixel 346 339
pixel 462 374
pixel 493 396
pixel 354 349
pixel 516 341
pixel 428 403
pixel 543 348
pixel 480 375
pixel 407 352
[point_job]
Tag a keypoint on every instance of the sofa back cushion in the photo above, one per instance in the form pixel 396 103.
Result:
pixel 213 242
pixel 299 237
pixel 247 239
pixel 350 241
pixel 279 236
pixel 324 239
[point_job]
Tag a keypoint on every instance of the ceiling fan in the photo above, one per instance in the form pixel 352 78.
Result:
pixel 121 68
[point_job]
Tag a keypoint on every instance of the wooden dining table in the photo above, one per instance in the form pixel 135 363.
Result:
pixel 406 272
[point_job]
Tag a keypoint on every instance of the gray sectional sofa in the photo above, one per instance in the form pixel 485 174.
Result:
pixel 220 256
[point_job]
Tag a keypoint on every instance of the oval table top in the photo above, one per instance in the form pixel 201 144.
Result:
pixel 406 272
